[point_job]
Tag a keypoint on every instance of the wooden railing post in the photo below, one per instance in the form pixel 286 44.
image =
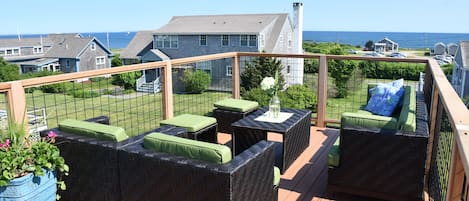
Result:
pixel 235 77
pixel 322 91
pixel 17 102
pixel 167 95
pixel 456 175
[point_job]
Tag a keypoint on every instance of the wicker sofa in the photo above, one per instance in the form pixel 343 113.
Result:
pixel 382 157
pixel 149 175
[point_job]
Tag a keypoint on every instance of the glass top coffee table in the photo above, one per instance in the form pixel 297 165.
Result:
pixel 295 134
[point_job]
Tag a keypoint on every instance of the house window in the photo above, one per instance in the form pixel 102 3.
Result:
pixel 248 40
pixel 37 50
pixel 167 41
pixel 225 40
pixel 280 41
pixel 203 40
pixel 100 60
pixel 229 70
pixel 205 66
pixel 289 40
pixel 288 69
pixel 67 64
pixel 2 52
pixel 93 46
pixel 12 51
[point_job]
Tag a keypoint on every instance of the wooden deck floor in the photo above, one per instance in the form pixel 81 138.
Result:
pixel 306 178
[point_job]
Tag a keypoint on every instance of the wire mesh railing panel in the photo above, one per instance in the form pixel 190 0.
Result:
pixel 113 96
pixel 349 82
pixel 441 157
pixel 197 86
pixel 3 112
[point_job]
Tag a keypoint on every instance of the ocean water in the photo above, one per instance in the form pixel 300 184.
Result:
pixel 404 39
pixel 119 40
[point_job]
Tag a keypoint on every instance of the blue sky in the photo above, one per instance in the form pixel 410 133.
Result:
pixel 63 16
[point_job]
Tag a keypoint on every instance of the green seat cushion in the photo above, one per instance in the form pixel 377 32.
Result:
pixel 365 120
pixel 237 105
pixel 193 149
pixel 92 129
pixel 407 121
pixel 276 176
pixel 333 157
pixel 192 123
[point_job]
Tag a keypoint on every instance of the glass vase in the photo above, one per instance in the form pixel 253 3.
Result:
pixel 274 107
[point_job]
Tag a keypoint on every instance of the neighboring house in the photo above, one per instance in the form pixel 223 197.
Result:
pixel 386 45
pixel 187 36
pixel 439 49
pixel 56 52
pixel 460 77
pixel 452 49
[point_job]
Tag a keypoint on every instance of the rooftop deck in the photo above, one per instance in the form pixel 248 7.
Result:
pixel 306 178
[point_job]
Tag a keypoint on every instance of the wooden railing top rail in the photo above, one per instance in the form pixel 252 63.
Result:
pixel 457 112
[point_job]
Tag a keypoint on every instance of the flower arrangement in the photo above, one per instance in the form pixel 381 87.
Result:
pixel 21 155
pixel 271 84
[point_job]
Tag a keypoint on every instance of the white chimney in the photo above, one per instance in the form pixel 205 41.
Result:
pixel 298 66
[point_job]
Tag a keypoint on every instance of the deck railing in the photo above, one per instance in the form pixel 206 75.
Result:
pixel 448 151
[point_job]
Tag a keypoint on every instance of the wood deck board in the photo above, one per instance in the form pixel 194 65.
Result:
pixel 306 178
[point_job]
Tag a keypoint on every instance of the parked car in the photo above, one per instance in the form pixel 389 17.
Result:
pixel 374 54
pixel 398 55
pixel 352 51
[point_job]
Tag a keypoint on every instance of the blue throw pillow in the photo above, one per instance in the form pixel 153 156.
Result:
pixel 385 98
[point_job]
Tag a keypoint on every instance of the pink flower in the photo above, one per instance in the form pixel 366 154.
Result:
pixel 51 134
pixel 6 144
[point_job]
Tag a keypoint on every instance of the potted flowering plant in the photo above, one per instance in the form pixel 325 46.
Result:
pixel 28 167
pixel 272 85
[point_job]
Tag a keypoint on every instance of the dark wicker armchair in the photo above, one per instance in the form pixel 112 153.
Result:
pixel 386 164
pixel 148 175
pixel 94 166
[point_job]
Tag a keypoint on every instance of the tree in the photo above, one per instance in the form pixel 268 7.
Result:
pixel 8 71
pixel 258 69
pixel 116 61
pixel 196 81
pixel 126 80
pixel 369 45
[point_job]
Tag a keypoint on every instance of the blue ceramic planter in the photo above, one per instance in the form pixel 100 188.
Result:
pixel 29 187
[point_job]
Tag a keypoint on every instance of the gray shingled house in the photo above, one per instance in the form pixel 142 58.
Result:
pixel 386 44
pixel 460 77
pixel 56 52
pixel 186 36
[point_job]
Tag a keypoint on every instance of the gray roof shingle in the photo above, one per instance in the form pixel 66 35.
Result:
pixel 68 47
pixel 24 42
pixel 219 24
pixel 140 40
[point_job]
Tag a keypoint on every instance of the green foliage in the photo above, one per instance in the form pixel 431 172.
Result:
pixel 448 70
pixel 116 61
pixel 341 71
pixel 57 88
pixel 327 48
pixel 8 71
pixel 369 45
pixel 97 79
pixel 258 69
pixel 85 94
pixel 389 70
pixel 299 96
pixel 311 66
pixel 257 94
pixel 196 81
pixel 126 80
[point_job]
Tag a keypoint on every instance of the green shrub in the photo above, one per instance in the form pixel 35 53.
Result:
pixel 85 94
pixel 259 68
pixel 300 97
pixel 196 81
pixel 57 88
pixel 257 94
pixel 97 79
pixel 126 80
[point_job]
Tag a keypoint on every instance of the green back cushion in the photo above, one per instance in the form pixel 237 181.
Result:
pixel 366 119
pixel 407 121
pixel 276 176
pixel 333 157
pixel 199 150
pixel 191 122
pixel 237 105
pixel 92 129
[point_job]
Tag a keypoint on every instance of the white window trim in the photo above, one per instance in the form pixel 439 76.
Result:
pixel 93 46
pixel 228 67
pixel 221 41
pixel 35 48
pixel 249 40
pixel 12 49
pixel 169 38
pixel 101 60
pixel 261 40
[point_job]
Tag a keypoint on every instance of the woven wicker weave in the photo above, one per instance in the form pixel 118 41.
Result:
pixel 147 176
pixel 386 164
pixel 226 117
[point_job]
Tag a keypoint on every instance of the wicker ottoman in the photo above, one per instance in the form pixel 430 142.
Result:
pixel 231 110
pixel 198 127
